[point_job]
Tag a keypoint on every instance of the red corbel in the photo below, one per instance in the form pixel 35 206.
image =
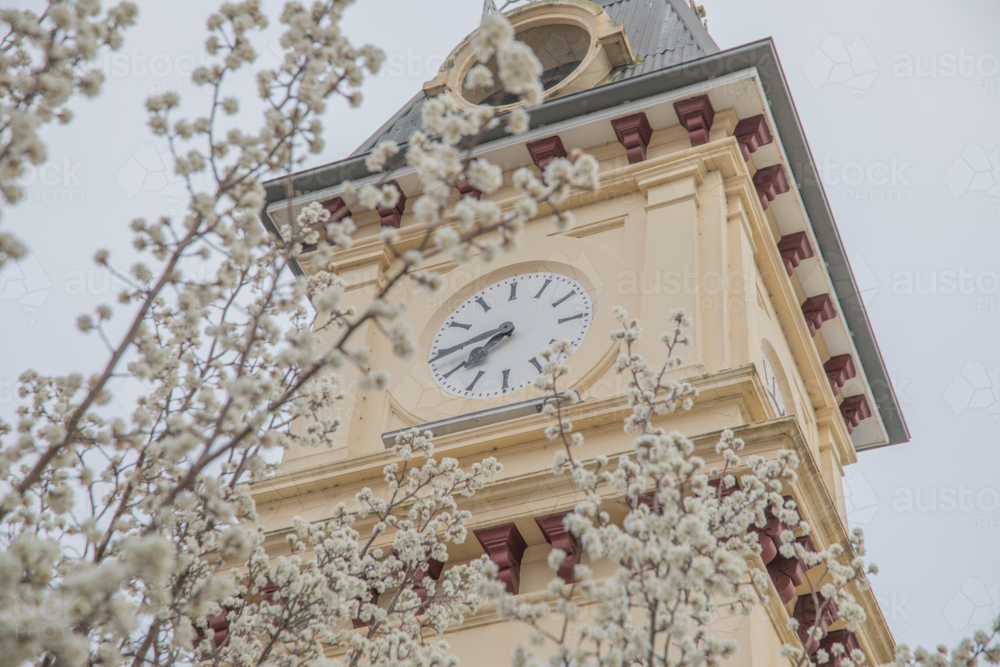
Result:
pixel 634 133
pixel 556 535
pixel 839 370
pixel 794 248
pixel 807 614
pixel 391 215
pixel 696 115
pixel 855 409
pixel 721 491
pixel 770 182
pixel 218 626
pixel 544 151
pixel 769 537
pixel 752 133
pixel 788 573
pixel 465 189
pixel 372 599
pixel 817 310
pixel 433 571
pixel 505 547
pixel 338 211
pixel 845 639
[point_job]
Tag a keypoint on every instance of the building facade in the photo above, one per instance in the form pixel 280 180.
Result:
pixel 710 202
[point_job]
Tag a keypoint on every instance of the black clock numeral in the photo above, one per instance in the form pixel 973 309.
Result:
pixel 534 362
pixel 567 319
pixel 473 383
pixel 460 325
pixel 449 373
pixel 513 292
pixel 559 302
pixel 547 281
pixel 482 303
pixel 506 378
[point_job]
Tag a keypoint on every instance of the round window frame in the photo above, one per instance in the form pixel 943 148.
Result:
pixel 591 18
pixel 524 26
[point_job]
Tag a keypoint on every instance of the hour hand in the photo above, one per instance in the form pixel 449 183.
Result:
pixel 504 329
pixel 478 355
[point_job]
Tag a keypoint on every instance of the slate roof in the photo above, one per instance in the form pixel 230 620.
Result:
pixel 663 33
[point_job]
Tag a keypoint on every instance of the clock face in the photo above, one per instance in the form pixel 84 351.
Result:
pixel 489 345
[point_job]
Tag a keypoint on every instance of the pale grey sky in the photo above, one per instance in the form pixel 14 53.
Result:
pixel 900 102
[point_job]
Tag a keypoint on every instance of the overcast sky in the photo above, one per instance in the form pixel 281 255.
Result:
pixel 900 102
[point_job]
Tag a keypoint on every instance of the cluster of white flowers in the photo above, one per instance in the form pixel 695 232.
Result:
pixel 982 645
pixel 118 533
pixel 43 62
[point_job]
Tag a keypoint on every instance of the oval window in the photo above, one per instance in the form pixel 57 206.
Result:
pixel 560 48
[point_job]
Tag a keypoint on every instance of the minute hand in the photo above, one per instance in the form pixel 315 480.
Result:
pixel 505 328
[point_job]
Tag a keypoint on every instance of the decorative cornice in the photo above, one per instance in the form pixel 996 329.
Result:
pixel 839 370
pixel 505 547
pixel 752 133
pixel 338 210
pixel 434 568
pixel 806 613
pixel 855 409
pixel 794 248
pixel 696 115
pixel 634 133
pixel 545 150
pixel 770 182
pixel 391 215
pixel 817 310
pixel 465 189
pixel 557 535
pixel 845 639
pixel 787 573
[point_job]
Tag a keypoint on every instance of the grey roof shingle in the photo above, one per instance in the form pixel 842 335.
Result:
pixel 663 33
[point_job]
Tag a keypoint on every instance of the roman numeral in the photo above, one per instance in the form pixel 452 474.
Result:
pixel 567 319
pixel 460 325
pixel 506 377
pixel 513 291
pixel 483 304
pixel 473 383
pixel 534 362
pixel 563 299
pixel 448 374
pixel 547 281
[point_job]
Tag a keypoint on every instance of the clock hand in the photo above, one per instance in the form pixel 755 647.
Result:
pixel 506 328
pixel 478 355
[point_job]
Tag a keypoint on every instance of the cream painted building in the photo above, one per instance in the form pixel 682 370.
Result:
pixel 710 201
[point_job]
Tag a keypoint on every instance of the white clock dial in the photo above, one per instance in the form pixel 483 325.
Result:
pixel 489 345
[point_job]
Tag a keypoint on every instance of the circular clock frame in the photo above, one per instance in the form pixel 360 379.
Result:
pixel 541 307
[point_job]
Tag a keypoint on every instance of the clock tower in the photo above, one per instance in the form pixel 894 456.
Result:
pixel 711 202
